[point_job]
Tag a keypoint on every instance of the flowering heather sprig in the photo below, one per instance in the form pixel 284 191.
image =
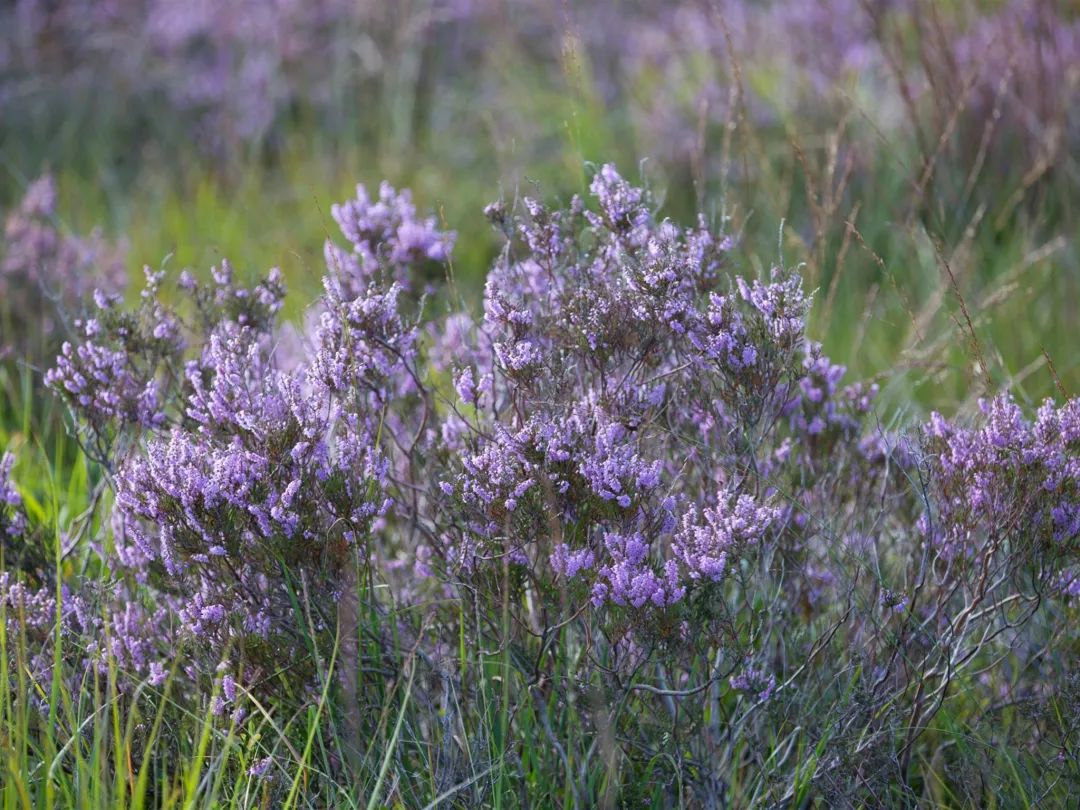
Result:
pixel 362 341
pixel 223 300
pixel 569 564
pixel 622 206
pixel 126 372
pixel 31 611
pixel 12 518
pixel 101 384
pixel 261 767
pixel 112 378
pixel 749 345
pixel 22 544
pixel 107 629
pixel 893 602
pixel 821 405
pixel 99 627
pixel 755 683
pixel 630 579
pixel 386 236
pixel 1005 477
pixel 704 545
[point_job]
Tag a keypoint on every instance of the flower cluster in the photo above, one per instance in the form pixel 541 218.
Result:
pixel 1006 476
pixel 12 519
pixel 31 611
pixel 126 370
pixel 385 231
pixel 606 355
pixel 703 546
pixel 110 378
pixel 754 683
pixel 21 547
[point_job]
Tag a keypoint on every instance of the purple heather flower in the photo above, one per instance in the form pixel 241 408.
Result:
pixel 386 229
pixel 261 768
pixel 755 683
pixel 569 564
pixel 892 602
pixel 704 544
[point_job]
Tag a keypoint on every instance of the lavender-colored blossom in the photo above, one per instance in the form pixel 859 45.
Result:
pixel 386 231
pixel 1005 474
pixel 893 602
pixel 568 563
pixel 101 385
pixel 755 683
pixel 260 769
pixel 704 544
pixel 13 521
pixel 630 579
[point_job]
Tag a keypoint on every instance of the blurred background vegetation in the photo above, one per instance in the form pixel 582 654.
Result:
pixel 919 160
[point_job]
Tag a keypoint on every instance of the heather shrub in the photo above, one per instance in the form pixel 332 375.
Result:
pixel 248 481
pixel 693 529
pixel 627 535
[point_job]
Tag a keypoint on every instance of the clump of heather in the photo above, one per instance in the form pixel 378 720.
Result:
pixel 37 611
pixel 45 274
pixel 12 520
pixel 590 325
pixel 249 482
pixel 632 482
pixel 262 496
pixel 124 371
pixel 620 399
pixel 637 441
pixel 1006 470
pixel 655 474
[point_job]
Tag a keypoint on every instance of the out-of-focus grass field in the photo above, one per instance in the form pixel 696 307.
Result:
pixel 891 247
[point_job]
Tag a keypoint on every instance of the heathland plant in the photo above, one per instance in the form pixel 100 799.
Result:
pixel 625 537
